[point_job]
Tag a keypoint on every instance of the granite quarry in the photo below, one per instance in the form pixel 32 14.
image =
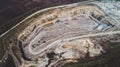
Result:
pixel 59 35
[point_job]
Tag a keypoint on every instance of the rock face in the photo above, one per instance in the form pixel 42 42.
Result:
pixel 11 9
pixel 55 36
pixel 64 34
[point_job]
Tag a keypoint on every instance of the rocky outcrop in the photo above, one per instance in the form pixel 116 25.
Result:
pixel 59 35
pixel 66 35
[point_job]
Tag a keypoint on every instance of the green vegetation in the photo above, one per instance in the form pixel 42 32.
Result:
pixel 32 66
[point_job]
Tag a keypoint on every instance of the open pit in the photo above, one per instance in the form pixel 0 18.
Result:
pixel 63 35
pixel 56 36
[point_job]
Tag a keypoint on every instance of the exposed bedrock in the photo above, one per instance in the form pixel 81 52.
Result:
pixel 86 33
pixel 66 35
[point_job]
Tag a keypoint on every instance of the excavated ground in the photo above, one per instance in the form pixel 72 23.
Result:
pixel 64 34
pixel 58 35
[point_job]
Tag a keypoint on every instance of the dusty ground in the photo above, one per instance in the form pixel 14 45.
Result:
pixel 59 35
pixel 11 9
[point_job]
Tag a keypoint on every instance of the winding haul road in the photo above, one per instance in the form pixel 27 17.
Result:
pixel 56 43
pixel 66 29
pixel 67 23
